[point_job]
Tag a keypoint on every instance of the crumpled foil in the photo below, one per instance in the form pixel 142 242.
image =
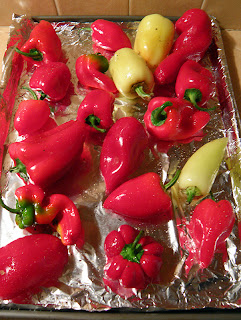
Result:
pixel 81 285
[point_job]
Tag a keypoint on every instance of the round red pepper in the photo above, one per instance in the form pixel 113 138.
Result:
pixel 133 260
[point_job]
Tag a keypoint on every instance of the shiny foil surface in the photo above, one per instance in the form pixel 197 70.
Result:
pixel 81 285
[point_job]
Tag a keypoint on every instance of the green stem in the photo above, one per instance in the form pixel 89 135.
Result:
pixel 173 180
pixel 7 207
pixel 191 192
pixel 138 237
pixel 194 96
pixel 159 115
pixel 32 92
pixel 94 121
pixel 141 93
pixel 42 95
pixel 35 54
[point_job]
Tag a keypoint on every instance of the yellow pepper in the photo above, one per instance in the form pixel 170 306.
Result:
pixel 199 172
pixel 154 39
pixel 131 74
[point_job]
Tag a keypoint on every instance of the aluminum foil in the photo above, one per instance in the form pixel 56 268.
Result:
pixel 81 286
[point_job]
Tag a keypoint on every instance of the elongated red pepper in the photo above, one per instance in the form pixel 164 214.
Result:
pixel 95 111
pixel 48 155
pixel 133 260
pixel 58 210
pixel 109 35
pixel 122 151
pixel 195 36
pixel 142 200
pixel 43 45
pixel 174 119
pixel 30 263
pixel 210 225
pixel 90 70
pixel 195 84
pixel 52 80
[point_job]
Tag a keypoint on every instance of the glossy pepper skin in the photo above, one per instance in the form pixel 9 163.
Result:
pixel 154 39
pixel 130 73
pixel 195 36
pixel 210 225
pixel 95 111
pixel 43 45
pixel 133 260
pixel 141 200
pixel 195 83
pixel 48 155
pixel 52 80
pixel 199 172
pixel 90 70
pixel 122 151
pixel 174 119
pixel 30 263
pixel 109 35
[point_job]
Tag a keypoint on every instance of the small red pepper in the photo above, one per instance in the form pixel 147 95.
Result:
pixel 195 36
pixel 109 35
pixel 122 151
pixel 30 263
pixel 90 70
pixel 174 119
pixel 52 80
pixel 95 111
pixel 133 260
pixel 195 84
pixel 210 225
pixel 58 210
pixel 46 156
pixel 43 45
pixel 142 200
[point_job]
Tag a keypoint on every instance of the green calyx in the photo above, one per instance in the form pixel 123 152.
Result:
pixel 35 54
pixel 102 62
pixel 159 115
pixel 20 168
pixel 94 121
pixel 192 192
pixel 133 251
pixel 194 96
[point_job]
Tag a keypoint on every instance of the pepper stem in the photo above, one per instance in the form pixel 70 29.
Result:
pixel 158 115
pixel 42 95
pixel 16 211
pixel 191 192
pixel 141 93
pixel 32 92
pixel 35 54
pixel 133 251
pixel 21 169
pixel 138 237
pixel 94 121
pixel 173 180
pixel 194 96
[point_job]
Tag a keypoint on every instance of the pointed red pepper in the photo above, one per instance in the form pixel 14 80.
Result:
pixel 195 84
pixel 122 151
pixel 46 156
pixel 174 119
pixel 109 36
pixel 210 225
pixel 43 45
pixel 142 200
pixel 133 260
pixel 90 70
pixel 195 36
pixel 95 111
pixel 30 263
pixel 52 80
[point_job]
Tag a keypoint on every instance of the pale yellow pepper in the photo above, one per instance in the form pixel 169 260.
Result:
pixel 154 39
pixel 131 74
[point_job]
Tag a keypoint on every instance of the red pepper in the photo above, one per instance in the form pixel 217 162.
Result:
pixel 133 260
pixel 58 210
pixel 210 225
pixel 52 80
pixel 122 151
pixel 174 119
pixel 195 36
pixel 43 45
pixel 95 111
pixel 90 70
pixel 30 263
pixel 141 200
pixel 109 35
pixel 48 155
pixel 195 84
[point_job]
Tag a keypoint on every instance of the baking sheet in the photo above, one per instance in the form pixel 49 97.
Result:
pixel 82 287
